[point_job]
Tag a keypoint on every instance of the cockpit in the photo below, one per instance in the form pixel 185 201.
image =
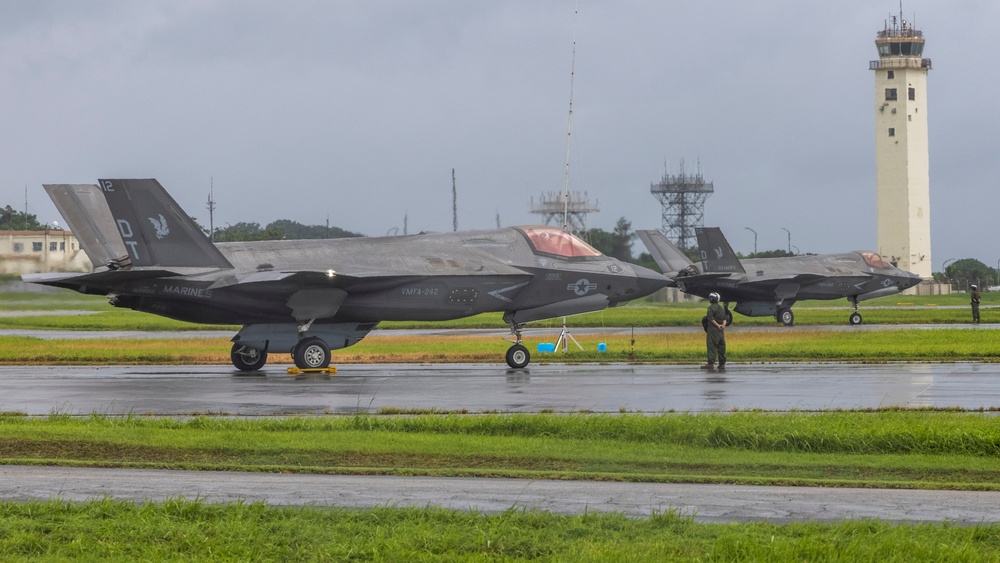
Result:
pixel 557 242
pixel 874 259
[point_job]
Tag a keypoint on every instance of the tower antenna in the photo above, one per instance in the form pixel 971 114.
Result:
pixel 565 336
pixel 211 207
pixel 454 203
pixel 569 124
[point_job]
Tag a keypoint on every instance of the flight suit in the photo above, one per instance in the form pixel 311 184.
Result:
pixel 975 305
pixel 715 339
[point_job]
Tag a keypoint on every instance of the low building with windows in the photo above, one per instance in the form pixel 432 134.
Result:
pixel 32 252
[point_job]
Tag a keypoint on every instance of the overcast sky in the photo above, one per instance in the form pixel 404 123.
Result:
pixel 359 110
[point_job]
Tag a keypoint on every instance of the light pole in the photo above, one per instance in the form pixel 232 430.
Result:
pixel 998 272
pixel 944 271
pixel 755 244
pixel 789 239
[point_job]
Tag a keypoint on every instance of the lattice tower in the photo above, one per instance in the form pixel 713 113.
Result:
pixel 552 206
pixel 682 197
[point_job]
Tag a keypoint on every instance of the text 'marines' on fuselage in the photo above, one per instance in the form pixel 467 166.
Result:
pixel 307 297
pixel 770 286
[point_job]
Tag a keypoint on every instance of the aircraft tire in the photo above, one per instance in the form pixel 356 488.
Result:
pixel 729 318
pixel 311 353
pixel 786 317
pixel 518 356
pixel 245 358
pixel 855 318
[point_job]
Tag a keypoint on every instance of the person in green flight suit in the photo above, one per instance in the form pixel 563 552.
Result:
pixel 715 333
pixel 975 304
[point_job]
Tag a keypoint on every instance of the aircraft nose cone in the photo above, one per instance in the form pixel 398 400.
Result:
pixel 649 281
pixel 908 281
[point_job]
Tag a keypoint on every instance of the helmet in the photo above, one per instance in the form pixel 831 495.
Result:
pixel 973 287
pixel 714 297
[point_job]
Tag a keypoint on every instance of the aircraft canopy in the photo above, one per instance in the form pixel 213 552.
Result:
pixel 550 240
pixel 874 259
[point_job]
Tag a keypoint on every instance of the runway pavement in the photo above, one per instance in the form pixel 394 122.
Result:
pixel 704 503
pixel 186 390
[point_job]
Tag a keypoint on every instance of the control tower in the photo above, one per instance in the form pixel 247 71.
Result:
pixel 901 148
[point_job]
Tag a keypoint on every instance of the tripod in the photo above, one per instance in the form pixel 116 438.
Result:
pixel 565 337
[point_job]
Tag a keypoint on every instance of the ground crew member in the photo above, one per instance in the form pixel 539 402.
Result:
pixel 975 304
pixel 715 333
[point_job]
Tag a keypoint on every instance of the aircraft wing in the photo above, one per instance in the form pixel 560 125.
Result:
pixel 768 280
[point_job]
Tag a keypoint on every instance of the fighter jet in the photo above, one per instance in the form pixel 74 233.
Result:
pixel 306 297
pixel 770 286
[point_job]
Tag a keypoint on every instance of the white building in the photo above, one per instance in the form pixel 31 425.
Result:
pixel 31 252
pixel 901 148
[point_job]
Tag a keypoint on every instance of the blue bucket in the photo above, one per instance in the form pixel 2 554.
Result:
pixel 546 347
pixel 602 347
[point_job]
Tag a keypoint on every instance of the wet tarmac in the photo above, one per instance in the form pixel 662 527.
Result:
pixel 187 390
pixel 704 503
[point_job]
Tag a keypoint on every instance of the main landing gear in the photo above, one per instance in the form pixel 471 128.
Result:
pixel 246 358
pixel 517 355
pixel 310 352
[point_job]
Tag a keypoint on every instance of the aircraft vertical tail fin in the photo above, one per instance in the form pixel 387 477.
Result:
pixel 667 256
pixel 86 213
pixel 154 228
pixel 716 254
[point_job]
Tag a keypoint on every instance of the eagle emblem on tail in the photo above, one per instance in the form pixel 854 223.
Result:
pixel 160 225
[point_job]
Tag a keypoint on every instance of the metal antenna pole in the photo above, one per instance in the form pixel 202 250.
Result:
pixel 211 207
pixel 565 336
pixel 454 202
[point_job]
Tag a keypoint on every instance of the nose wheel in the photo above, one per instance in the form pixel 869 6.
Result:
pixel 855 318
pixel 517 355
pixel 785 316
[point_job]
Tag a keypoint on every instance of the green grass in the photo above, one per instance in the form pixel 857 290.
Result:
pixel 891 449
pixel 800 345
pixel 191 530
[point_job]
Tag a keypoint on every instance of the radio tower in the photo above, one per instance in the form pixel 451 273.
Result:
pixel 682 197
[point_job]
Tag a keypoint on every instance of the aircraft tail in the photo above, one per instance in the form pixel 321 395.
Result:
pixel 667 256
pixel 155 230
pixel 86 213
pixel 716 254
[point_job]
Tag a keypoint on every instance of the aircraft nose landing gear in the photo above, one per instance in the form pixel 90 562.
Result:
pixel 855 318
pixel 518 356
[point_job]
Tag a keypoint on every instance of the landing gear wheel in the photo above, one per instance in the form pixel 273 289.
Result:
pixel 785 317
pixel 518 356
pixel 729 318
pixel 855 318
pixel 246 358
pixel 311 353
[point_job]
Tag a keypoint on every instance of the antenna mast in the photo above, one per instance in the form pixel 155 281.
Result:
pixel 454 203
pixel 211 207
pixel 569 124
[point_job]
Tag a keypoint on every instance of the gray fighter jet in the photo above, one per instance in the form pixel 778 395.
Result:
pixel 306 297
pixel 770 286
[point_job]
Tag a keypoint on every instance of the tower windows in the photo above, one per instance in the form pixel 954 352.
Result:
pixel 890 94
pixel 912 94
pixel 892 131
pixel 890 74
